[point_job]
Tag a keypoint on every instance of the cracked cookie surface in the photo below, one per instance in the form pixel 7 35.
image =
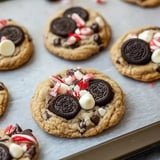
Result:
pixel 144 50
pixel 76 33
pixel 3 98
pixel 77 102
pixel 16 46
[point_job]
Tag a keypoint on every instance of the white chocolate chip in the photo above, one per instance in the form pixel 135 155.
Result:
pixel 83 92
pixel 100 21
pixel 24 147
pixel 68 80
pixel 87 101
pixel 15 150
pixel 78 75
pixel 146 35
pixel 63 88
pixel 7 48
pixel 101 111
pixel 156 56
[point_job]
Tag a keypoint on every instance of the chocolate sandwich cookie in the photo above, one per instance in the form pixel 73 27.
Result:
pixel 16 45
pixel 76 33
pixel 18 144
pixel 137 54
pixel 77 102
pixel 3 98
pixel 144 3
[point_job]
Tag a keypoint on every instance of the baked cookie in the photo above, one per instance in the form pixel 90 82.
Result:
pixel 3 98
pixel 77 102
pixel 137 54
pixel 16 45
pixel 76 33
pixel 19 144
pixel 145 3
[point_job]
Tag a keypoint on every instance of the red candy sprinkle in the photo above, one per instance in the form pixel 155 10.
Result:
pixel 75 35
pixel 83 85
pixel 9 129
pixel 3 22
pixel 57 79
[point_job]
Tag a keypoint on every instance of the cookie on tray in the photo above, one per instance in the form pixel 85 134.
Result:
pixel 3 98
pixel 77 102
pixel 16 45
pixel 76 33
pixel 144 3
pixel 137 54
pixel 18 144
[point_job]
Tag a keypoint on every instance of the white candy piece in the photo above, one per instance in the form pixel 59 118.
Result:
pixel 156 56
pixel 83 92
pixel 7 47
pixel 100 21
pixel 157 36
pixel 101 111
pixel 15 150
pixel 146 35
pixel 63 88
pixel 87 101
pixel 78 75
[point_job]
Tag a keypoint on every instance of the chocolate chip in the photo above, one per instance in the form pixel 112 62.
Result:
pixel 95 119
pixel 101 91
pixel 4 152
pixel 3 140
pixel 13 33
pixel 70 72
pixel 1 86
pixel 30 152
pixel 95 27
pixel 57 42
pixel 158 69
pixel 27 132
pixel 97 38
pixel 82 124
pixel 65 105
pixel 78 10
pixel 118 62
pixel 136 51
pixel 63 26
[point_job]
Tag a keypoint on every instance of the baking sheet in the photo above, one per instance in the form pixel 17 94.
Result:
pixel 142 100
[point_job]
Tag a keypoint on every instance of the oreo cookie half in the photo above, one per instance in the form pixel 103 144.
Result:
pixel 4 152
pixel 65 106
pixel 63 26
pixel 80 11
pixel 101 91
pixel 13 33
pixel 136 51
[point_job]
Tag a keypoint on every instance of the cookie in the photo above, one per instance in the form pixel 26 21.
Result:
pixel 19 144
pixel 3 98
pixel 76 33
pixel 137 54
pixel 77 102
pixel 144 3
pixel 16 46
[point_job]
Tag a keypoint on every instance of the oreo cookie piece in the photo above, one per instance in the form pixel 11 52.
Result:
pixel 13 33
pixel 101 91
pixel 65 106
pixel 80 11
pixel 63 26
pixel 4 152
pixel 136 51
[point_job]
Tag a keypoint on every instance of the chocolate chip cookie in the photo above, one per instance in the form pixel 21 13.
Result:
pixel 76 33
pixel 3 98
pixel 77 102
pixel 16 45
pixel 137 54
pixel 144 3
pixel 16 143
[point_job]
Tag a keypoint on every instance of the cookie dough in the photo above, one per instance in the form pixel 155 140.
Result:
pixel 144 3
pixel 3 98
pixel 137 54
pixel 16 45
pixel 76 33
pixel 77 102
pixel 18 144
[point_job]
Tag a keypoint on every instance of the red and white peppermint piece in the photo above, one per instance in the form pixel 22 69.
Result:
pixel 100 1
pixel 88 76
pixel 154 44
pixel 23 138
pixel 71 40
pixel 157 36
pixel 3 22
pixel 79 21
pixel 86 31
pixel 3 38
pixel 9 129
pixel 57 79
pixel 55 89
pixel 75 94
pixel 83 85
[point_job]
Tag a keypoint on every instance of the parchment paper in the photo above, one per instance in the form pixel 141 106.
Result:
pixel 142 100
